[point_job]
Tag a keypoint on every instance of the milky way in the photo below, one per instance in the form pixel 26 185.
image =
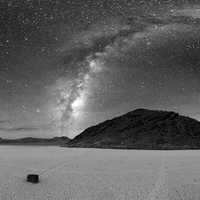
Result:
pixel 67 65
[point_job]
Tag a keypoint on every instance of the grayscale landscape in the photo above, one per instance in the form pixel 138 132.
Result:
pixel 99 99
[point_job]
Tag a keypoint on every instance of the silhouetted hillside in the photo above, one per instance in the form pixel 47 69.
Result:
pixel 142 129
pixel 35 141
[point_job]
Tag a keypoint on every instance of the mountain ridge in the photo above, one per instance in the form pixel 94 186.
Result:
pixel 142 129
pixel 57 141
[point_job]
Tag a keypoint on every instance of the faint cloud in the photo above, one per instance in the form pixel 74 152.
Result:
pixel 25 128
pixel 5 121
pixel 189 12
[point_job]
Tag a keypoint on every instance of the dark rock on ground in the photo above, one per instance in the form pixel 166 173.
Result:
pixel 33 178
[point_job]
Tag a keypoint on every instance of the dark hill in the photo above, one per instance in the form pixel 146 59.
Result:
pixel 35 141
pixel 142 129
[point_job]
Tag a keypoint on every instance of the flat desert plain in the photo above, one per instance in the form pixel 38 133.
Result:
pixel 98 174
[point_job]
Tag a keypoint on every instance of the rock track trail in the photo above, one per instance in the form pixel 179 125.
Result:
pixel 6 194
pixel 160 190
pixel 70 171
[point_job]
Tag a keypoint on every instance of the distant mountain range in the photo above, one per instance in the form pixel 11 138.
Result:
pixel 35 141
pixel 142 129
pixel 138 129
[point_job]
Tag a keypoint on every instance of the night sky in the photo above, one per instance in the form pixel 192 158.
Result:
pixel 67 65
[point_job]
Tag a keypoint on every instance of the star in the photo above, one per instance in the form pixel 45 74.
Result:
pixel 71 64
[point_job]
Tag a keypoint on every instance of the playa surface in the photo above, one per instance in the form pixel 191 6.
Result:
pixel 97 174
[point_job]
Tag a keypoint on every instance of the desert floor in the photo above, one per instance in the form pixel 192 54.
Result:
pixel 91 174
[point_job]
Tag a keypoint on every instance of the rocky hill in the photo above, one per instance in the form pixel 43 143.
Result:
pixel 142 129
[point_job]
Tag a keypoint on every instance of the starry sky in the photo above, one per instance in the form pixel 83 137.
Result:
pixel 68 64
